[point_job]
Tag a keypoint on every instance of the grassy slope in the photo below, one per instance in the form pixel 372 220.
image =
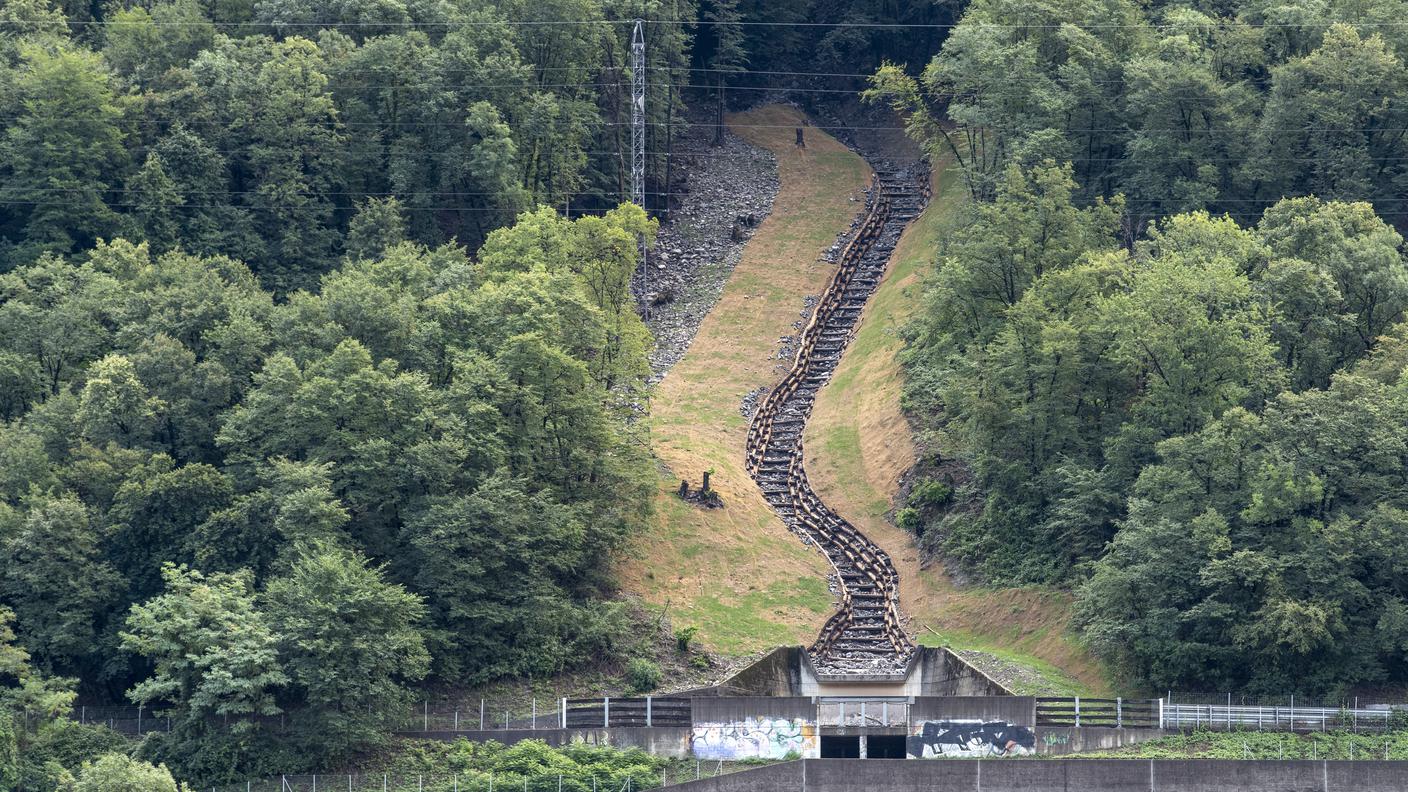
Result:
pixel 736 572
pixel 859 444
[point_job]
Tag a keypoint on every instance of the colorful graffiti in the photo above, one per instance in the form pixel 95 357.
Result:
pixel 933 739
pixel 755 738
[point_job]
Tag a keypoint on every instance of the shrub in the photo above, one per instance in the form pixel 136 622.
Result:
pixel 642 675
pixel 683 637
pixel 910 519
pixel 929 493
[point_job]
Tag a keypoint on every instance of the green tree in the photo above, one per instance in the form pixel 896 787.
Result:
pixel 142 44
pixel 211 649
pixel 1331 108
pixel 378 225
pixel 728 55
pixel 494 565
pixel 58 584
pixel 63 152
pixel 350 644
pixel 1352 262
pixel 115 406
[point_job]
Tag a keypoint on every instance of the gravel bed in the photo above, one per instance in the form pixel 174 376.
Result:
pixel 727 191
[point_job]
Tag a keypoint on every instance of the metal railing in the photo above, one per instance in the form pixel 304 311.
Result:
pixel 1294 719
pixel 1115 713
pixel 857 714
pixel 605 713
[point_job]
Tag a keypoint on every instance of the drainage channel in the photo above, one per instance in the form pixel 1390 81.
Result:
pixel 865 636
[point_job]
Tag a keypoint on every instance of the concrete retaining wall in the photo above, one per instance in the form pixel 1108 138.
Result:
pixel 1063 740
pixel 724 709
pixel 778 673
pixel 943 673
pixel 1016 710
pixel 1062 775
pixel 787 672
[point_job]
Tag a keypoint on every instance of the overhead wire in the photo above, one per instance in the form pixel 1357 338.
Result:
pixel 326 24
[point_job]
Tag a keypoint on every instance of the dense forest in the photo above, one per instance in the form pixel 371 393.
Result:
pixel 320 370
pixel 1163 361
pixel 321 374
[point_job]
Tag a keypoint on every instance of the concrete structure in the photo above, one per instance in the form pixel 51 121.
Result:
pixel 1064 775
pixel 788 671
pixel 811 727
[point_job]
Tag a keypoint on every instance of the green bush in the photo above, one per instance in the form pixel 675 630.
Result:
pixel 116 773
pixel 60 746
pixel 683 637
pixel 929 494
pixel 910 519
pixel 642 675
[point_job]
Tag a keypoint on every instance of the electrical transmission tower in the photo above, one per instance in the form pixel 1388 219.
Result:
pixel 638 115
pixel 638 147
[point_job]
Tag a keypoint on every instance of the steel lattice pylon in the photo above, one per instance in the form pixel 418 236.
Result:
pixel 638 115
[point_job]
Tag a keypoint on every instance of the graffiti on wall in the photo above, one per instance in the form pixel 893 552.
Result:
pixel 761 738
pixel 933 739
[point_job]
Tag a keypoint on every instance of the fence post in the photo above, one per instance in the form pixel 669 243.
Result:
pixel 139 720
pixel 649 711
pixel 425 722
pixel 1161 713
pixel 1077 712
pixel 315 782
pixel 1119 712
pixel 383 782
pixel 535 713
pixel 606 713
pixel 481 714
pixel 457 719
pixel 564 712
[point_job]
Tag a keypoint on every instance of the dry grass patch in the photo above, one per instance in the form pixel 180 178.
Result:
pixel 858 444
pixel 736 572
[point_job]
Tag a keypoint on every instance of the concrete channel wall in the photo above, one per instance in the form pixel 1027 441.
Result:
pixel 1063 775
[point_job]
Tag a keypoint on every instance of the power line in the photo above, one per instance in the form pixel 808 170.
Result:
pixel 704 22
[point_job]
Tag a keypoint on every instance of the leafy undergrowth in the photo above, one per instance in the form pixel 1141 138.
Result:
pixel 1266 745
pixel 531 765
pixel 674 655
pixel 859 445
pixel 736 573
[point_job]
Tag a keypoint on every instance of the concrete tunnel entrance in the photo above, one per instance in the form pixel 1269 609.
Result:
pixel 855 746
pixel 840 746
pixel 885 746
